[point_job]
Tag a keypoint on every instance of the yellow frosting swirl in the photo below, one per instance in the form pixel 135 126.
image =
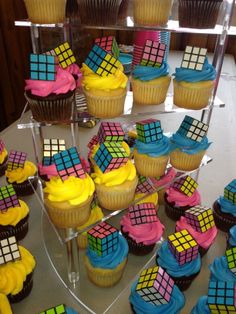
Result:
pixel 74 190
pixel 152 198
pixel 114 81
pixel 13 274
pixel 5 307
pixel 96 147
pixel 14 214
pixel 20 175
pixel 3 155
pixel 96 215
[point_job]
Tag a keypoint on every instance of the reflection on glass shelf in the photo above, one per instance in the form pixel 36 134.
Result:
pixel 27 23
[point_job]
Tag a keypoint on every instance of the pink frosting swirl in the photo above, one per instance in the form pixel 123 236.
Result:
pixel 168 177
pixel 204 239
pixel 75 70
pixel 49 171
pixel 181 199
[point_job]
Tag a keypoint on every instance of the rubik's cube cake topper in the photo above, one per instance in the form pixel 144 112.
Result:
pixel 9 250
pixel 142 214
pixel 42 67
pixel 200 218
pixel 16 160
pixel 8 198
pixel 103 239
pixel 65 55
pixel 110 132
pixel 92 142
pixel 58 309
pixel 231 259
pixel 193 129
pixel 144 185
pixel 153 53
pixel 230 192
pixel 101 62
pixel 149 130
pixel 186 185
pixel 110 155
pixel 68 164
pixel 52 146
pixel 183 246
pixel 109 44
pixel 155 286
pixel 2 146
pixel 194 58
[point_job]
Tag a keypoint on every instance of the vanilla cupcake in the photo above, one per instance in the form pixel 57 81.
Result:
pixel 3 158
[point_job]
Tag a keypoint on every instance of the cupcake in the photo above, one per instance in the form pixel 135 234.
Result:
pixel 3 158
pixel 67 197
pixel 104 84
pixel 21 173
pixel 150 80
pixel 194 80
pixel 199 222
pixel 155 292
pixel 189 144
pixel 5 307
pixel 180 196
pixel 151 149
pixel 16 270
pixel 179 257
pixel 231 238
pixel 60 308
pixel 225 208
pixel 201 307
pixel 106 255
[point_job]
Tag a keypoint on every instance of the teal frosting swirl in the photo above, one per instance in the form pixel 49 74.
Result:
pixel 187 145
pixel 227 206
pixel 232 236
pixel 111 260
pixel 174 306
pixel 208 73
pixel 154 149
pixel 220 270
pixel 148 73
pixel 167 261
pixel 69 310
pixel 201 307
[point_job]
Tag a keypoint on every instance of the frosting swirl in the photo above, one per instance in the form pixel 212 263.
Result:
pixel 166 178
pixel 180 199
pixel 148 73
pixel 152 198
pixel 220 270
pixel 3 155
pixel 226 206
pixel 201 307
pixel 20 175
pixel 69 310
pixel 187 145
pixel 5 307
pixel 154 149
pixel 14 214
pixel 232 236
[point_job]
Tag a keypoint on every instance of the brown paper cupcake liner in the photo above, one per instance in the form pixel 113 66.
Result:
pixel 19 231
pixel 184 283
pixel 25 188
pixel 172 211
pixel 223 221
pixel 27 287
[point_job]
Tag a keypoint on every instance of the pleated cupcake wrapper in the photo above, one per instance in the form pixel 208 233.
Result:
pixel 123 9
pixel 104 277
pixel 223 223
pixel 3 167
pixel 46 11
pixel 27 287
pixel 25 188
pixel 19 231
pixel 82 241
pixel 184 282
pixel 172 212
pixel 185 162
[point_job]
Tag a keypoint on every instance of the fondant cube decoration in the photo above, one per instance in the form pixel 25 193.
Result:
pixel 2 146
pixel 109 44
pixel 16 160
pixel 200 218
pixel 185 185
pixel 142 214
pixel 50 148
pixel 231 259
pixel 149 130
pixel 68 164
pixel 101 62
pixel 155 286
pixel 110 155
pixel 59 309
pixel 193 129
pixel 110 132
pixel 65 55
pixel 230 192
pixel 221 297
pixel 42 67
pixel 9 250
pixel 92 142
pixel 103 239
pixel 194 58
pixel 153 53
pixel 183 246
pixel 8 198
pixel 144 185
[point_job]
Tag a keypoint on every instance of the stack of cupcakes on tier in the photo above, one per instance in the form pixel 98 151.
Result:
pixel 59 309
pixel 106 255
pixel 3 158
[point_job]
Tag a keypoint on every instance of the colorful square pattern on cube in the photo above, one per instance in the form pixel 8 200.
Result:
pixel 149 130
pixel 65 55
pixel 103 239
pixel 69 164
pixel 9 250
pixel 153 53
pixel 230 192
pixel 231 259
pixel 109 44
pixel 92 142
pixel 101 62
pixel 183 246
pixel 200 218
pixel 144 185
pixel 16 160
pixel 42 67
pixel 8 198
pixel 110 155
pixel 155 286
pixel 142 214
pixel 52 146
pixel 2 146
pixel 186 185
pixel 221 297
pixel 59 309
pixel 194 58
pixel 193 129
pixel 110 132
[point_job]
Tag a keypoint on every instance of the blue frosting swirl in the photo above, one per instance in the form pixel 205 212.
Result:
pixel 111 260
pixel 208 73
pixel 220 270
pixel 69 310
pixel 227 206
pixel 201 307
pixel 148 73
pixel 174 306
pixel 167 261
pixel 187 145
pixel 154 149
pixel 232 236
